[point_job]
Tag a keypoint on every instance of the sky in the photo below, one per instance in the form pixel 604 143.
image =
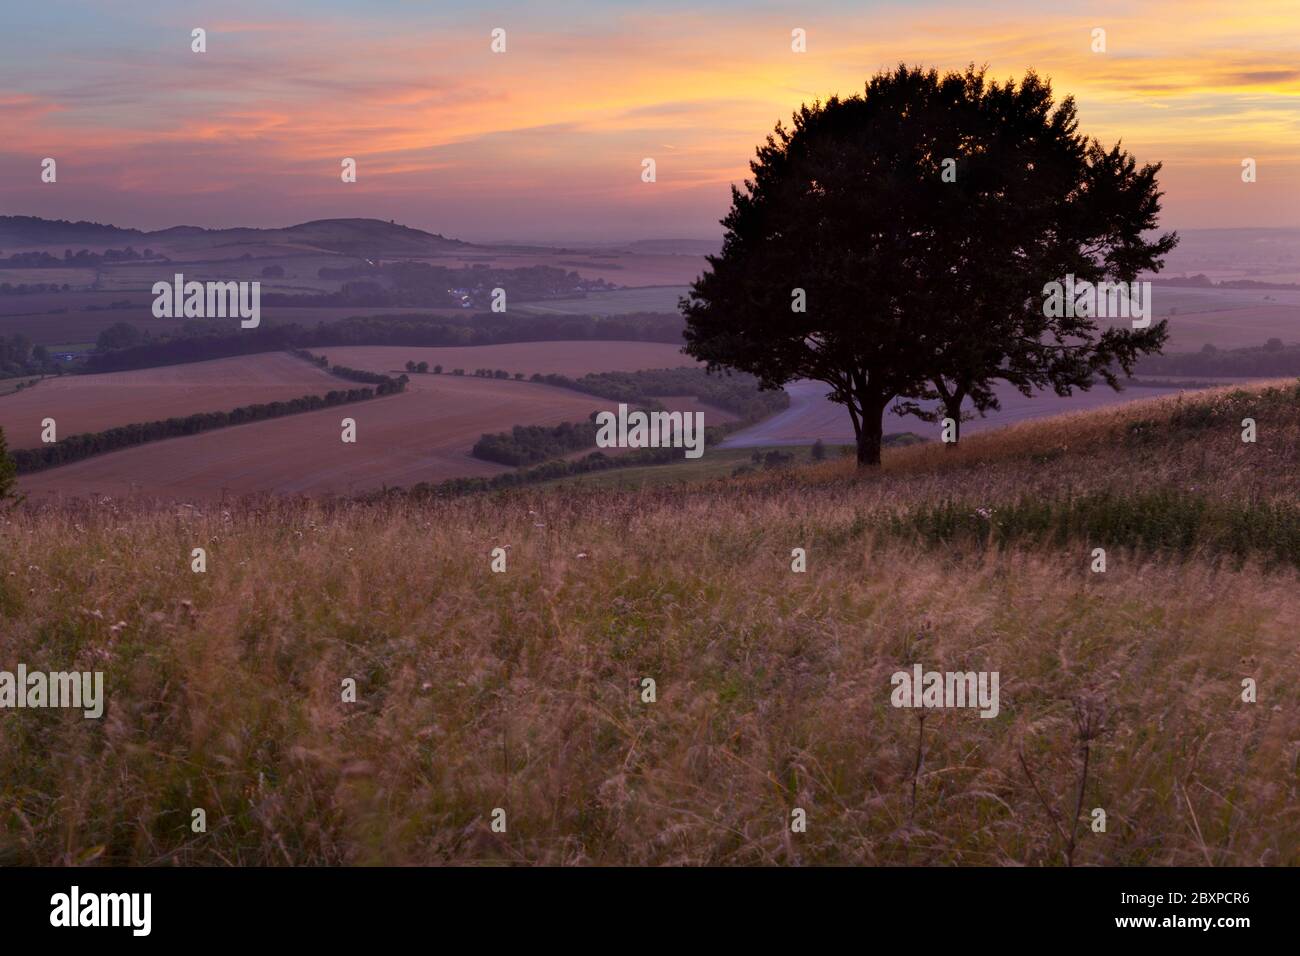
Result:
pixel 545 141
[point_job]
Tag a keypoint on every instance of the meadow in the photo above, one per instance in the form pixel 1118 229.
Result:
pixel 524 690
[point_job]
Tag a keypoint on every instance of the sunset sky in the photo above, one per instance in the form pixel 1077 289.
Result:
pixel 546 140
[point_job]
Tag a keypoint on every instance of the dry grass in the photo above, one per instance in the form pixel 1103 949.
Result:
pixel 522 690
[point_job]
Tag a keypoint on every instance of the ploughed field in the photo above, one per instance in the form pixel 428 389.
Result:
pixel 422 435
pixel 91 403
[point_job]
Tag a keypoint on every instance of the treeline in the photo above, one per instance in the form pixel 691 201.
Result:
pixel 1202 281
pixel 556 469
pixel 422 284
pixel 387 385
pixel 408 330
pixel 531 444
pixel 29 288
pixel 82 446
pixel 83 258
pixel 1271 359
pixel 19 357
pixel 737 393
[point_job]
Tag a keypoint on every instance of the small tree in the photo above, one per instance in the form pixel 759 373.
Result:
pixel 422 367
pixel 120 335
pixel 437 370
pixel 411 366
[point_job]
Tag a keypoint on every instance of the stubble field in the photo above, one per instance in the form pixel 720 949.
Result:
pixel 90 403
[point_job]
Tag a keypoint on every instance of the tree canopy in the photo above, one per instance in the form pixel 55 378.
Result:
pixel 896 245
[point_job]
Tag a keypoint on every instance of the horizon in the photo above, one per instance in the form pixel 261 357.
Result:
pixel 504 240
pixel 544 141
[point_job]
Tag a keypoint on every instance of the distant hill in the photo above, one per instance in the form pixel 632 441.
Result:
pixel 676 247
pixel 370 237
pixel 34 231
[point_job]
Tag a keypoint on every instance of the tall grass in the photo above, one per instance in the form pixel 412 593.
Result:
pixel 522 690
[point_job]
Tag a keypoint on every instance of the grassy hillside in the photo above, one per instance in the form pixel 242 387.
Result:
pixel 522 690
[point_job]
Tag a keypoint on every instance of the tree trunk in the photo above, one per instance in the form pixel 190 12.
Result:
pixel 955 415
pixel 952 408
pixel 870 436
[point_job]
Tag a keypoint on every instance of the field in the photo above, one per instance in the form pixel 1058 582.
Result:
pixel 621 268
pixel 1231 329
pixel 90 403
pixel 618 302
pixel 1121 691
pixel 67 323
pixel 424 434
pixel 573 359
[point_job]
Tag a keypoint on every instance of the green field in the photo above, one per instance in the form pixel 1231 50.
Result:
pixel 715 463
pixel 659 298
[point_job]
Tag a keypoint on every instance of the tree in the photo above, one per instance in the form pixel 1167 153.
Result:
pixel 858 256
pixel 422 367
pixel 121 335
pixel 1045 204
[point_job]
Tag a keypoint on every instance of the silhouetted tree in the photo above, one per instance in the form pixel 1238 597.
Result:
pixel 852 259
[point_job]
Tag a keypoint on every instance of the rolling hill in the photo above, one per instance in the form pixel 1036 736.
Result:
pixel 368 237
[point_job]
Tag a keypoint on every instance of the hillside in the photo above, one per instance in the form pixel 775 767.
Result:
pixel 523 690
pixel 369 237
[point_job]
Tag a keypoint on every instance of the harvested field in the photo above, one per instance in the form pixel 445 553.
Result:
pixel 689 403
pixel 560 358
pixel 424 434
pixel 1233 328
pixel 90 403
